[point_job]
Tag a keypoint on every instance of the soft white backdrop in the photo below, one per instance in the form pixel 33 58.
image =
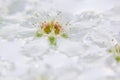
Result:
pixel 84 57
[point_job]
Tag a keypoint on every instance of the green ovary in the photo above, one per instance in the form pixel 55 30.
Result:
pixel 52 40
pixel 117 58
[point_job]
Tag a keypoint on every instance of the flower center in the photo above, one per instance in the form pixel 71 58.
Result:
pixel 51 27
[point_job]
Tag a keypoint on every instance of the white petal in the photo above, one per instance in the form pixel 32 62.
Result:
pixel 6 67
pixel 71 48
pixel 83 24
pixel 114 13
pixel 55 60
pixel 16 6
pixel 10 78
pixel 36 48
pixel 68 75
pixel 64 18
pixel 77 32
pixel 98 37
pixel 95 73
pixel 88 19
pixel 12 32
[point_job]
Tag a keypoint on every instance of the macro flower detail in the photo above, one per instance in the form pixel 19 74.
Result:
pixel 52 29
pixel 59 40
pixel 62 32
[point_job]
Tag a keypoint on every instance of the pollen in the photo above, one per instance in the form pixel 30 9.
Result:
pixel 57 28
pixel 46 27
pixel 50 27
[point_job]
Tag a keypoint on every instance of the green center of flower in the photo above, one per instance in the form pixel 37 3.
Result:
pixel 52 30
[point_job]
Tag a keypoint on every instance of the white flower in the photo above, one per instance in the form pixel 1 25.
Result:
pixel 52 30
pixel 67 33
pixel 59 45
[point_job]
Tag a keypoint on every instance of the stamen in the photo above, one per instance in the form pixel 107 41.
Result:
pixel 57 28
pixel 46 27
pixel 52 29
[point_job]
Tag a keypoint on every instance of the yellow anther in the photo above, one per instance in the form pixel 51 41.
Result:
pixel 57 28
pixel 46 28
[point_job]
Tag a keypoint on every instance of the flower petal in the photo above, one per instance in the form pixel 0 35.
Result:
pixel 70 48
pixel 36 48
pixel 6 67
pixel 13 31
